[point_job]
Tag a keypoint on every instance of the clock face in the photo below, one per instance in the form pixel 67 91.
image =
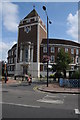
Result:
pixel 27 29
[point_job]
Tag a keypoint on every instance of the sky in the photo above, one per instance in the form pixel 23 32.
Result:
pixel 63 15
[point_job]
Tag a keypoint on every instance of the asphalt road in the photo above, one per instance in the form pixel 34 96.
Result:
pixel 27 102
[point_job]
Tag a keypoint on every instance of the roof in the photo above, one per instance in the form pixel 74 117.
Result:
pixel 60 41
pixel 15 45
pixel 33 13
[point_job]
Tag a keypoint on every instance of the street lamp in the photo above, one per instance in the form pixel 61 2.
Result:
pixel 48 21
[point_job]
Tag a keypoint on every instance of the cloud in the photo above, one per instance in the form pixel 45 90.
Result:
pixel 4 47
pixel 10 16
pixel 72 22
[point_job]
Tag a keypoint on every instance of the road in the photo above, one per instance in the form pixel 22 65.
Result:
pixel 26 101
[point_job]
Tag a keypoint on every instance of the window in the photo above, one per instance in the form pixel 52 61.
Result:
pixel 77 51
pixel 72 59
pixel 11 60
pixel 76 59
pixel 52 49
pixel 45 67
pixel 28 20
pixel 66 49
pixel 26 55
pixel 52 58
pixel 58 49
pixel 72 51
pixel 12 52
pixel 9 68
pixel 44 49
pixel 9 54
pixel 32 20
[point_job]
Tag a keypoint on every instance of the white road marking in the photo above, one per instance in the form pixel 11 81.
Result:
pixel 22 105
pixel 51 99
pixel 68 94
pixel 77 111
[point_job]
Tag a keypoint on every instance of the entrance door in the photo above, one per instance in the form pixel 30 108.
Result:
pixel 25 69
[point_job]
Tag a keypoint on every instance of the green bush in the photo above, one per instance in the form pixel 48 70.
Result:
pixel 58 75
pixel 75 75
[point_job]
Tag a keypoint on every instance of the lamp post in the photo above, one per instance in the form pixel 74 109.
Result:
pixel 48 22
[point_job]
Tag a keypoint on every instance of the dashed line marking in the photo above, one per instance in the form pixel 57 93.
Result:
pixel 22 105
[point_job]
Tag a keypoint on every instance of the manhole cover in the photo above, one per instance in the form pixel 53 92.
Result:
pixel 19 97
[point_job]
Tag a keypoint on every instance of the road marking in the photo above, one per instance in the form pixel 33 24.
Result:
pixel 36 89
pixel 77 111
pixel 22 105
pixel 51 99
pixel 67 94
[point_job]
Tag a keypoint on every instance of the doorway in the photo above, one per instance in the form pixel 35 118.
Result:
pixel 25 70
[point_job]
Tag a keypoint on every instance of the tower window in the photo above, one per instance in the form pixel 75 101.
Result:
pixel 26 55
pixel 32 20
pixel 28 20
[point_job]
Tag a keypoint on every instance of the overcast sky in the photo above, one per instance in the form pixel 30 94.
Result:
pixel 64 17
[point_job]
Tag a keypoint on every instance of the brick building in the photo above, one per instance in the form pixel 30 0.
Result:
pixel 32 47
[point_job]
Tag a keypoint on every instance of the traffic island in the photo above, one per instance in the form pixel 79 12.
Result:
pixel 55 88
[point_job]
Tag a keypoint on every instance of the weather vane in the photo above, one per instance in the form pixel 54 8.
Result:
pixel 34 6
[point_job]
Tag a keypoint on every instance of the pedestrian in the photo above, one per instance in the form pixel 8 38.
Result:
pixel 29 79
pixel 5 77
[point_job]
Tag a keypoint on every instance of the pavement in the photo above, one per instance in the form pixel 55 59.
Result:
pixel 52 87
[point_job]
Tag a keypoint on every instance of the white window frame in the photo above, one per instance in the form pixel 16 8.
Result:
pixel 72 50
pixel 28 20
pixel 77 51
pixel 45 49
pixel 66 49
pixel 52 49
pixel 52 58
pixel 59 49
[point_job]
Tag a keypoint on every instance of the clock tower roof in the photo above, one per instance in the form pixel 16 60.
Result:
pixel 33 13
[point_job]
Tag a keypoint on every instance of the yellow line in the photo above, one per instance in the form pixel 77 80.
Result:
pixel 35 89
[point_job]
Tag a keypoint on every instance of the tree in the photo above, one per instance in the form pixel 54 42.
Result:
pixel 63 60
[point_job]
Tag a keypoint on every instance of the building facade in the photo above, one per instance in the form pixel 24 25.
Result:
pixel 11 59
pixel 32 47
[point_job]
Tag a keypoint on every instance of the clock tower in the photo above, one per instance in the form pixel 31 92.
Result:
pixel 31 31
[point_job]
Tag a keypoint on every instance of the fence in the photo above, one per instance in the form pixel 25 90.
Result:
pixel 74 83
